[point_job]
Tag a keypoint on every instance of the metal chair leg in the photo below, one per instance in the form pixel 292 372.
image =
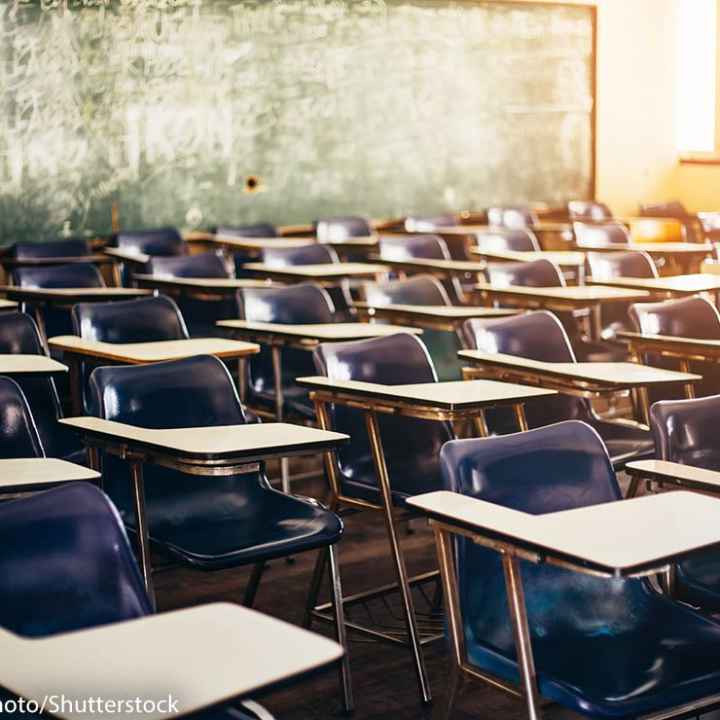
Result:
pixel 315 585
pixel 340 629
pixel 253 584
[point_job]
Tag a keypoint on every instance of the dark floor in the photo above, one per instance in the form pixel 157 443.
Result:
pixel 383 677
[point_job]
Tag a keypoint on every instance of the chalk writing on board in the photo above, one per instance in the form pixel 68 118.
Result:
pixel 380 107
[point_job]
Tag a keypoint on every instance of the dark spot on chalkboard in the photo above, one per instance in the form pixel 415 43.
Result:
pixel 252 183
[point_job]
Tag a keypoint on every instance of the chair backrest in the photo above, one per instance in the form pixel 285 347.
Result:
pixel 693 317
pixel 538 273
pixel 518 240
pixel 536 336
pixel 430 223
pixel 611 265
pixel 144 320
pixel 72 247
pixel 20 335
pixel 67 563
pixel 589 210
pixel 411 445
pixel 685 431
pixel 337 229
pixel 407 247
pixel 609 233
pixel 259 230
pixel 301 303
pixel 77 275
pixel 202 265
pixel 19 437
pixel 670 209
pixel 416 290
pixel 310 254
pixel 561 467
pixel 509 216
pixel 153 241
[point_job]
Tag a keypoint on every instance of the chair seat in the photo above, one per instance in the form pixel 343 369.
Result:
pixel 296 400
pixel 624 442
pixel 698 580
pixel 664 656
pixel 586 351
pixel 278 525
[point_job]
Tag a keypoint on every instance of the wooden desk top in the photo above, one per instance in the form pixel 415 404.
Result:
pixel 673 285
pixel 647 532
pixel 577 294
pixel 74 295
pixel 314 332
pixel 697 348
pixel 136 258
pixel 141 353
pixel 201 656
pixel 227 284
pixel 444 267
pixel 240 443
pixel 453 396
pixel 660 248
pixel 31 473
pixel 563 258
pixel 599 375
pixel 11 364
pixel 323 271
pixel 674 473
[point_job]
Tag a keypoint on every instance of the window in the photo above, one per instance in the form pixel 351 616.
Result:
pixel 697 25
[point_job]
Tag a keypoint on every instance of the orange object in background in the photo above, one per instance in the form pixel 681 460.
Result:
pixel 656 230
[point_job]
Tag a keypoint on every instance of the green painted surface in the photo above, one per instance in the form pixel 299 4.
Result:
pixel 338 106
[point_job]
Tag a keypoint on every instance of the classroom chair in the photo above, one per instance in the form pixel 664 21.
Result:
pixel 295 304
pixel 19 436
pixel 693 317
pixel 54 320
pixel 603 647
pixel 69 247
pixel 20 336
pixel 605 233
pixel 443 346
pixel 588 211
pixel 162 242
pixel 255 230
pixel 209 523
pixel 341 228
pixel 544 273
pixel 426 247
pixel 692 226
pixel 540 336
pixel 513 217
pixel 685 432
pixel 79 573
pixel 315 254
pixel 200 314
pixel 411 448
pixel 605 266
pixel 503 239
pixel 430 223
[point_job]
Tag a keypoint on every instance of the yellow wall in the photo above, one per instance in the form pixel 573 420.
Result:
pixel 636 156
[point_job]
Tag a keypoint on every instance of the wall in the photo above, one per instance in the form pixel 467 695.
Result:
pixel 636 157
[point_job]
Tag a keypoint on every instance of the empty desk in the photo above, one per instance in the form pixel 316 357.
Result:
pixel 325 274
pixel 448 318
pixel 28 474
pixel 669 286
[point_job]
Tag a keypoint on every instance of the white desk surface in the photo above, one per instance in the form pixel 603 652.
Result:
pixel 201 656
pixel 441 312
pixel 647 532
pixel 684 475
pixel 236 441
pixel 11 364
pixel 7 304
pixel 575 293
pixel 322 270
pixel 139 353
pixel 564 258
pixel 694 283
pixel 659 248
pixel 42 471
pixel 620 374
pixel 127 255
pixel 78 294
pixel 319 331
pixel 202 283
pixel 452 266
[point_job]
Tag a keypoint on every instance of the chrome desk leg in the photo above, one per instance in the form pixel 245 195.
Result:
pixel 521 633
pixel 138 484
pixel 340 629
pixel 279 403
pixel 373 430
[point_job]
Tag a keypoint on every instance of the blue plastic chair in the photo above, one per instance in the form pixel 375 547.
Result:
pixel 512 216
pixel 589 210
pixel 19 437
pixel 67 565
pixel 607 233
pixel 70 247
pixel 604 648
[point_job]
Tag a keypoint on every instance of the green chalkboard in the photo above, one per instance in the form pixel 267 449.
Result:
pixel 171 108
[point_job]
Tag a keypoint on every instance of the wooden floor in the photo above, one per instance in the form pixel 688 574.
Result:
pixel 383 677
